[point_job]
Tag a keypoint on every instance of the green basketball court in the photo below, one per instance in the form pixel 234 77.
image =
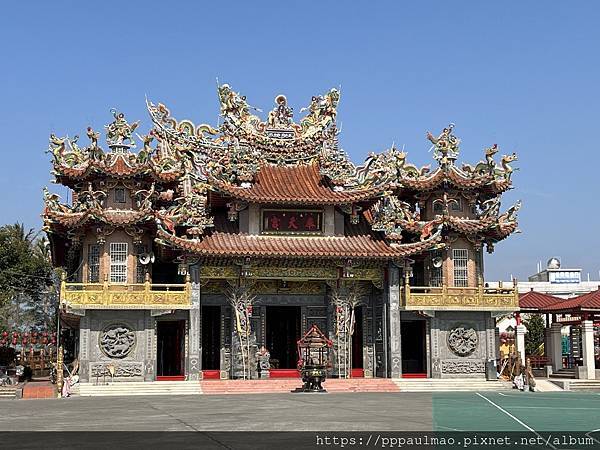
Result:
pixel 517 411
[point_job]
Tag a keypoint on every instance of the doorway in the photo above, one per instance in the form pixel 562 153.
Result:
pixel 211 338
pixel 282 333
pixel 357 344
pixel 170 337
pixel 412 334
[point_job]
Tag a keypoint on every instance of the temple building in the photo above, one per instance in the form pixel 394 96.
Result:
pixel 186 256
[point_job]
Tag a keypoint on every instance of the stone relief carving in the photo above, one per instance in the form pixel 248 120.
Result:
pixel 458 366
pixel 117 340
pixel 462 340
pixel 122 370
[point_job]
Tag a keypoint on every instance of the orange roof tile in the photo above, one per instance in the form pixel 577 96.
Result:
pixel 357 243
pixel 300 184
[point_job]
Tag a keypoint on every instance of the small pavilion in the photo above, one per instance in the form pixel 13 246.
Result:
pixel 582 312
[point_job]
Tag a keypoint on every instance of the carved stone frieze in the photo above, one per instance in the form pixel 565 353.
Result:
pixel 121 370
pixel 462 366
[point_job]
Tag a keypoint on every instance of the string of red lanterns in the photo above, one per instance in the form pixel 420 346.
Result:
pixel 33 338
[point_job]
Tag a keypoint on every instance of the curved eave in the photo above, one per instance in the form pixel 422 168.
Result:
pixel 322 247
pixel 456 178
pixel 110 217
pixel 119 168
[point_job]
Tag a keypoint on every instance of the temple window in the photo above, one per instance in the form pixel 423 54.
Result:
pixel 93 263
pixel 456 204
pixel 118 262
pixel 460 257
pixel 119 195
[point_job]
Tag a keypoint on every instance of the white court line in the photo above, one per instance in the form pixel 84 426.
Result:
pixel 515 419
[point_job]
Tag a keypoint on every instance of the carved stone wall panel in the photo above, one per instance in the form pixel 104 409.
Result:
pixel 465 366
pixel 461 340
pixel 121 370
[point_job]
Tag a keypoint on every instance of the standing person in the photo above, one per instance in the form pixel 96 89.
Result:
pixel 529 375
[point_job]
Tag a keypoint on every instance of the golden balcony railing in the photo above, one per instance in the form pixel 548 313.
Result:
pixel 125 296
pixel 461 298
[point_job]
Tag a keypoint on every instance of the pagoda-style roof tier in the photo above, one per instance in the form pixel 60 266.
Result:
pixel 494 228
pixel 89 207
pixel 358 243
pixel 115 217
pixel 300 184
pixel 73 164
pixel 120 166
pixel 457 178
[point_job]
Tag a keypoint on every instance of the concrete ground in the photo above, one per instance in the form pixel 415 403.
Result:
pixel 384 412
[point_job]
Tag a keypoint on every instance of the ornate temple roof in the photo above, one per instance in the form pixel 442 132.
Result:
pixel 276 161
pixel 300 184
pixel 358 242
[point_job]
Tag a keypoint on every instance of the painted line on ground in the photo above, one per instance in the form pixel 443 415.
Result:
pixel 516 419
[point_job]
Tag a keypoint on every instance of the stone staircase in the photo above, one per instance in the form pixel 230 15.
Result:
pixel 584 385
pixel 138 388
pixel 564 374
pixel 281 385
pixel 449 385
pixel 8 392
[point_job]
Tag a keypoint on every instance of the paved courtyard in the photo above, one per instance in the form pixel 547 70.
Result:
pixel 486 411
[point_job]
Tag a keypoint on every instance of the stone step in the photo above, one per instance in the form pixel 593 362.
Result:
pixel 139 388
pixel 450 385
pixel 332 385
pixel 584 385
pixel 7 392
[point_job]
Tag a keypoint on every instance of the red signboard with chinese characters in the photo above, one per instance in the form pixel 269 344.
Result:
pixel 279 221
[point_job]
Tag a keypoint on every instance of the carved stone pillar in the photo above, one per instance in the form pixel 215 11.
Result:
pixel 587 347
pixel 556 338
pixel 195 336
pixel 84 348
pixel 393 301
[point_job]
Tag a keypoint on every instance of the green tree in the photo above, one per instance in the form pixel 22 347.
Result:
pixel 27 288
pixel 535 334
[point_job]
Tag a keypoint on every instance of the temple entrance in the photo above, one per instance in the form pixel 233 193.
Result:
pixel 357 344
pixel 282 332
pixel 413 348
pixel 211 340
pixel 170 338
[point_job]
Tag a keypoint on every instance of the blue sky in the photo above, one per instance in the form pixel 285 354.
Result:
pixel 524 75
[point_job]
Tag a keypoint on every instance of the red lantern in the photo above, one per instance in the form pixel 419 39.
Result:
pixel 45 334
pixel 14 341
pixel 25 335
pixel 15 334
pixel 4 334
pixel 44 340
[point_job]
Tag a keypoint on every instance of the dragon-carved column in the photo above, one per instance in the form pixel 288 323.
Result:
pixel 194 361
pixel 393 304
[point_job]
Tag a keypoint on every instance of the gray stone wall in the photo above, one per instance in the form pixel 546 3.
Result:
pixel 461 344
pixel 96 329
